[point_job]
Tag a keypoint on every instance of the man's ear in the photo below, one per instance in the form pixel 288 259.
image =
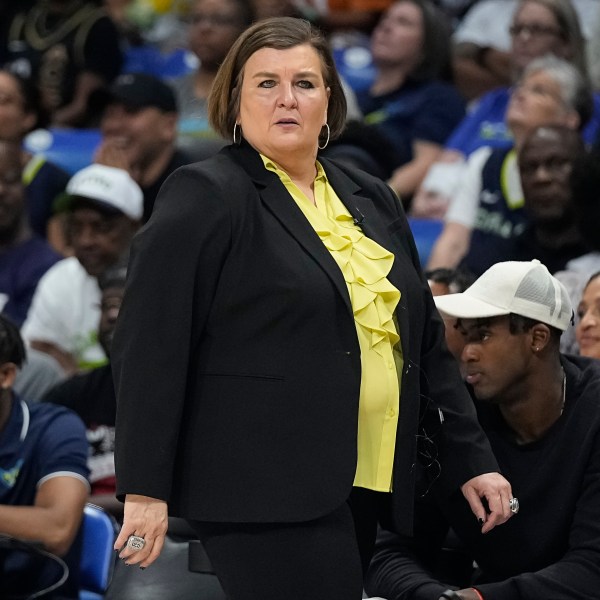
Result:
pixel 540 336
pixel 8 373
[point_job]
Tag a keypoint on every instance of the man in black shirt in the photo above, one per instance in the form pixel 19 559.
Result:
pixel 541 413
pixel 139 129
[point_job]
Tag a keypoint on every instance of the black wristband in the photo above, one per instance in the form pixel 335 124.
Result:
pixel 449 595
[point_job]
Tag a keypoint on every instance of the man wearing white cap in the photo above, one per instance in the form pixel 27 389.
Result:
pixel 541 413
pixel 105 208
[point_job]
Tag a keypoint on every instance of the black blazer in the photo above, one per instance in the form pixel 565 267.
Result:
pixel 236 360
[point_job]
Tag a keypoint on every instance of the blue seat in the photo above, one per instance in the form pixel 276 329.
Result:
pixel 425 232
pixel 354 62
pixel 70 149
pixel 149 59
pixel 97 555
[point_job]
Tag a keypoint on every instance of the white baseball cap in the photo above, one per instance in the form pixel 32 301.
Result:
pixel 523 288
pixel 110 187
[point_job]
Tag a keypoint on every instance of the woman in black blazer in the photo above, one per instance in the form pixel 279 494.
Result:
pixel 241 347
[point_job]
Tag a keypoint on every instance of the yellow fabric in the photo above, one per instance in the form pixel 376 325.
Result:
pixel 365 266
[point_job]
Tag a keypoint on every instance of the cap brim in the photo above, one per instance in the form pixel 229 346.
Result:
pixel 464 306
pixel 74 201
pixel 101 98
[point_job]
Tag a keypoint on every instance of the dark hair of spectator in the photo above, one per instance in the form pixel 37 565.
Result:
pixel 245 12
pixel 436 54
pixel 32 100
pixel 280 33
pixel 12 348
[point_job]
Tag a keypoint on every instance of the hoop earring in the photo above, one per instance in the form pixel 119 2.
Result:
pixel 327 140
pixel 235 128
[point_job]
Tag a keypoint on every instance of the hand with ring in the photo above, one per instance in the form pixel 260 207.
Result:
pixel 136 542
pixel 497 493
pixel 142 536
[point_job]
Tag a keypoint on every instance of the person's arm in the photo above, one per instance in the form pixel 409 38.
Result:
pixel 65 359
pixel 479 69
pixel 60 464
pixel 54 518
pixel 45 328
pixel 432 198
pixel 453 242
pixel 405 179
pixel 146 516
pixel 102 60
pixel 466 460
pixel 74 113
pixel 403 567
pixel 482 42
pixel 576 574
pixel 179 254
pixel 451 245
pixel 440 111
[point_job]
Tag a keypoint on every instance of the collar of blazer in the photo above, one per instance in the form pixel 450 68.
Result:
pixel 283 207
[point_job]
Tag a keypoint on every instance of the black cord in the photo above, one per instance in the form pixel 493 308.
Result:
pixel 11 543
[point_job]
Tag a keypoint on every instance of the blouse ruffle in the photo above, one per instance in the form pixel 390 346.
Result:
pixel 365 266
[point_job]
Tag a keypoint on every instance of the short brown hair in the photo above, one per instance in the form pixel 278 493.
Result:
pixel 279 33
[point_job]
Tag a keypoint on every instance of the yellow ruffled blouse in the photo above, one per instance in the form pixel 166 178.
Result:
pixel 365 266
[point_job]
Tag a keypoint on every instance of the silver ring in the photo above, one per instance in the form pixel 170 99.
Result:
pixel 513 504
pixel 135 542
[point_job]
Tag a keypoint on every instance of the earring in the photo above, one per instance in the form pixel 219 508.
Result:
pixel 327 140
pixel 235 128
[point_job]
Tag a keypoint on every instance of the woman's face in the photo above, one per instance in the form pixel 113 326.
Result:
pixel 14 121
pixel 537 100
pixel 398 37
pixel 587 331
pixel 215 25
pixel 283 102
pixel 535 32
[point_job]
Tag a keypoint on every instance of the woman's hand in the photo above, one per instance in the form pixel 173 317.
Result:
pixel 147 518
pixel 497 492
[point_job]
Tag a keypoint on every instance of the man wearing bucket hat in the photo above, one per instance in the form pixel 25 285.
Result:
pixel 105 206
pixel 541 413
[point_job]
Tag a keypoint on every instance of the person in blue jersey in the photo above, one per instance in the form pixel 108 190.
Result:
pixel 487 212
pixel 43 485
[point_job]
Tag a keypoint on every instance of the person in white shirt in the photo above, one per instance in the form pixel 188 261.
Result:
pixel 105 208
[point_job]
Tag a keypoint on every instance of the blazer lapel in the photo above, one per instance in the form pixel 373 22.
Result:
pixel 279 202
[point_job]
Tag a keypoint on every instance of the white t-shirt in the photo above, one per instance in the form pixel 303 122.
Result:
pixel 65 311
pixel 463 206
pixel 488 21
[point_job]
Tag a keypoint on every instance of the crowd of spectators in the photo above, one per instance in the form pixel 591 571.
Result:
pixel 483 114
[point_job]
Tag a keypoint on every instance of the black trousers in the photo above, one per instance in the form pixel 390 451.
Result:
pixel 323 559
